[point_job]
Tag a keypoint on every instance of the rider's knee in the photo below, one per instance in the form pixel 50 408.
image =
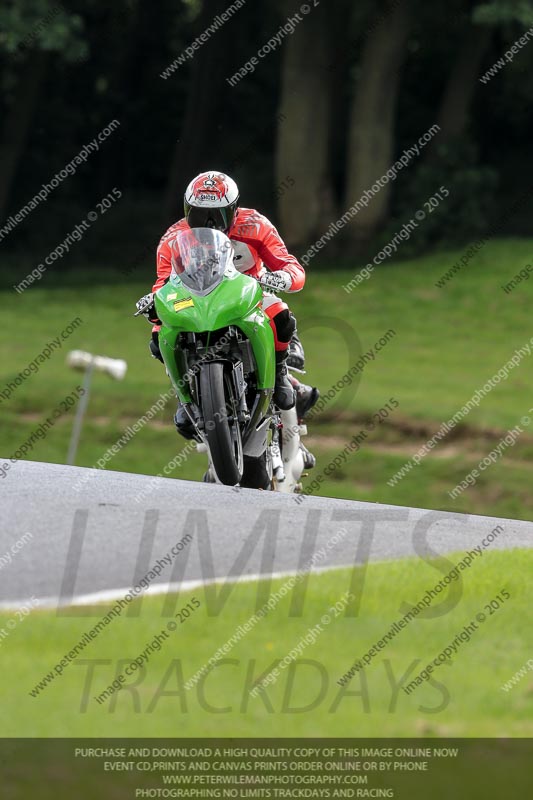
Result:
pixel 285 323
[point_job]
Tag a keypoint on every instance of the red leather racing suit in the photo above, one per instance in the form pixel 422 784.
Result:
pixel 257 247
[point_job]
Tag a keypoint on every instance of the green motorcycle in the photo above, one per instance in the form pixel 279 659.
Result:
pixel 218 349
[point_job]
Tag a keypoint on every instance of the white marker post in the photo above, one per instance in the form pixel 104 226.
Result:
pixel 78 359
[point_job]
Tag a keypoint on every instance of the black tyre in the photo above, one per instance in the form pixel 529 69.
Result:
pixel 223 436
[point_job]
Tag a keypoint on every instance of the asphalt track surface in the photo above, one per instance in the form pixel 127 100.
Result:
pixel 96 533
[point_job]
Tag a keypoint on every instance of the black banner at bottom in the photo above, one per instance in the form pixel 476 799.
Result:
pixel 405 769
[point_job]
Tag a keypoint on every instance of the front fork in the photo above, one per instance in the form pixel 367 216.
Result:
pixel 194 409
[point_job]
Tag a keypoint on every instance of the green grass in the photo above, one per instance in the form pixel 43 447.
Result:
pixel 448 343
pixel 463 700
pixel 503 490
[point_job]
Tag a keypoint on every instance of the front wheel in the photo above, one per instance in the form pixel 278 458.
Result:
pixel 221 425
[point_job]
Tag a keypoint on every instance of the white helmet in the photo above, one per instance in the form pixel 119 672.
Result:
pixel 211 200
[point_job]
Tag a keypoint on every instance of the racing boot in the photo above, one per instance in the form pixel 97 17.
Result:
pixel 306 397
pixel 284 395
pixel 309 459
pixel 296 357
pixel 184 425
pixel 154 347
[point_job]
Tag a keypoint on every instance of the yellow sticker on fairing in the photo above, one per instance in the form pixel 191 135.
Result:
pixel 181 304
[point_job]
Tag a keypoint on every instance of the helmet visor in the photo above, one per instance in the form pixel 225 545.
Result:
pixel 219 218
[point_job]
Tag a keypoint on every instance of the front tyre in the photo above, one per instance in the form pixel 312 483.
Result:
pixel 221 425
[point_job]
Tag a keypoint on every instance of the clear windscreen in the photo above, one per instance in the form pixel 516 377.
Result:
pixel 199 258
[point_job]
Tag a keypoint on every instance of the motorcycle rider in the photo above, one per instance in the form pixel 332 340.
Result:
pixel 212 201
